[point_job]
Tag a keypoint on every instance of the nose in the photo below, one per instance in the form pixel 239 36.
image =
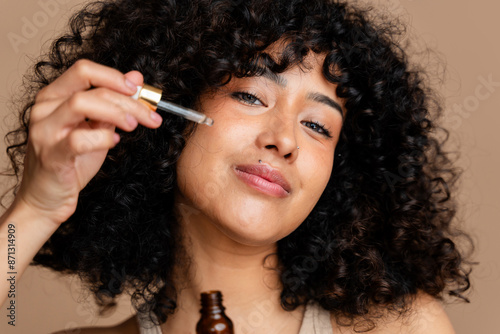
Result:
pixel 279 135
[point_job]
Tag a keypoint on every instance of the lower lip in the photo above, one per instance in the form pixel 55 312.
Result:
pixel 261 184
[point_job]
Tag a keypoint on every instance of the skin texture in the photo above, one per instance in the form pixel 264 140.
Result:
pixel 269 128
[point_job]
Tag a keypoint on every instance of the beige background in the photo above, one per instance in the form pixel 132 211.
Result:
pixel 464 33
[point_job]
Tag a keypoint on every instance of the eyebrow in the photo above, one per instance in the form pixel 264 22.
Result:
pixel 326 100
pixel 321 98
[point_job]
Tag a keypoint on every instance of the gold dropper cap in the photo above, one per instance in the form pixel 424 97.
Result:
pixel 151 95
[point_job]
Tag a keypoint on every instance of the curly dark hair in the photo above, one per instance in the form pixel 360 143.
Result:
pixel 381 231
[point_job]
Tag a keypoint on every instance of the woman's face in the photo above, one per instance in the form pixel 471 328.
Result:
pixel 258 172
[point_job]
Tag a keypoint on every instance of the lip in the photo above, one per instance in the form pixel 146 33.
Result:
pixel 264 178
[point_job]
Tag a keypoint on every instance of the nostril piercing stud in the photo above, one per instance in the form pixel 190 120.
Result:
pixel 298 147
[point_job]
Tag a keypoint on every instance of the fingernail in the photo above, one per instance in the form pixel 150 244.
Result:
pixel 131 120
pixel 156 117
pixel 130 85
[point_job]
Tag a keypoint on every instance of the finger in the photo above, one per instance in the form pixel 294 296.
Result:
pixel 100 125
pixel 85 74
pixel 102 105
pixel 43 109
pixel 135 77
pixel 81 141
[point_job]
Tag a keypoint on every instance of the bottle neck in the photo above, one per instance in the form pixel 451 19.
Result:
pixel 211 302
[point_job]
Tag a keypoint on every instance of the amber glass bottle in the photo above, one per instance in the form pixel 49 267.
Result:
pixel 213 319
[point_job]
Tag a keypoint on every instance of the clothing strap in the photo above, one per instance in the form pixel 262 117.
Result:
pixel 146 326
pixel 316 320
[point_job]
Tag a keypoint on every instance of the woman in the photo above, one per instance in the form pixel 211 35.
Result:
pixel 319 199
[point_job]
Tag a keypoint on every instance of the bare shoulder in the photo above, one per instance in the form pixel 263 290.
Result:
pixel 426 316
pixel 129 326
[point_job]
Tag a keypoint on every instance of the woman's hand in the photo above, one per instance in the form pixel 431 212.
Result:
pixel 72 127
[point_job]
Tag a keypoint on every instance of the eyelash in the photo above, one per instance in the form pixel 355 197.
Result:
pixel 320 128
pixel 239 96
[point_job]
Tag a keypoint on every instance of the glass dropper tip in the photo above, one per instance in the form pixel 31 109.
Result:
pixel 208 121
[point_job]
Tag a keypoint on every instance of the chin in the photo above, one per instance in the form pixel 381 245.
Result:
pixel 254 232
pixel 251 239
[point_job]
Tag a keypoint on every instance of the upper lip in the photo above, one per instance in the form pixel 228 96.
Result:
pixel 266 172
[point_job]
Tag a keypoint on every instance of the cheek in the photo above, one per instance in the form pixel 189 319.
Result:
pixel 319 165
pixel 204 165
pixel 319 169
pixel 191 167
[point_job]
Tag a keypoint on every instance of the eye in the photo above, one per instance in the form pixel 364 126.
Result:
pixel 247 98
pixel 317 127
